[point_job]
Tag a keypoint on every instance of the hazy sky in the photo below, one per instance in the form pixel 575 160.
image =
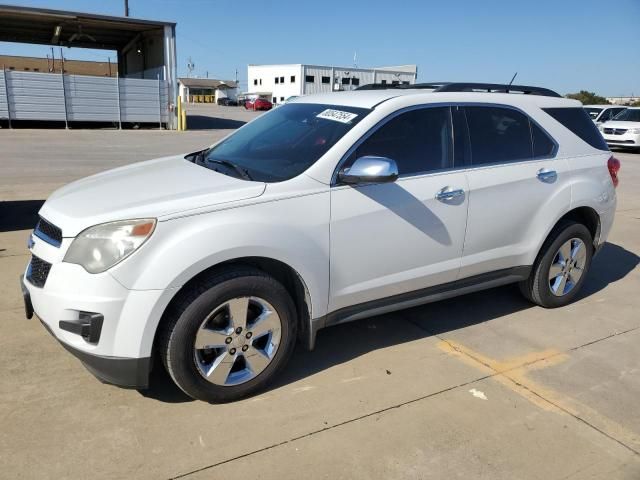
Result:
pixel 566 45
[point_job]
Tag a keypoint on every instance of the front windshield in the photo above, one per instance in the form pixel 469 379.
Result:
pixel 284 142
pixel 593 112
pixel 629 115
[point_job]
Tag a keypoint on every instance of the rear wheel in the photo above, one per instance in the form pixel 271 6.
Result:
pixel 230 337
pixel 561 267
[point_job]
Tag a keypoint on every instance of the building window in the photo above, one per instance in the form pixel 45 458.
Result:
pixel 293 79
pixel 346 81
pixel 395 82
pixel 281 79
pixel 36 69
pixel 384 82
pixel 310 78
pixel 282 99
pixel 255 81
pixel 326 80
pixel 277 80
pixel 26 69
pixel 405 83
pixel 355 81
pixel 274 100
pixel 260 81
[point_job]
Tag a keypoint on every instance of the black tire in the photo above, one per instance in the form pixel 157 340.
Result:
pixel 176 342
pixel 536 288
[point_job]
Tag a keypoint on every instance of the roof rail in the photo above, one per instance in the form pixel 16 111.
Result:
pixel 466 87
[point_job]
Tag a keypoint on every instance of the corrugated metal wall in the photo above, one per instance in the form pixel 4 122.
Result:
pixel 4 113
pixel 50 96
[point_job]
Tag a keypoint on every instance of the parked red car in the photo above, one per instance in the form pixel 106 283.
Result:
pixel 258 104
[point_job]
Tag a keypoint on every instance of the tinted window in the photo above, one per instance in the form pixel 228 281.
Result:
pixel 498 135
pixel 418 141
pixel 579 122
pixel 593 112
pixel 543 146
pixel 284 142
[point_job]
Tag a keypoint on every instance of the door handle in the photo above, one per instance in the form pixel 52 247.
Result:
pixel 547 175
pixel 448 193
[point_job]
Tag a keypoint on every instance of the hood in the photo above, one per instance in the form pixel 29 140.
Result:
pixel 148 189
pixel 620 124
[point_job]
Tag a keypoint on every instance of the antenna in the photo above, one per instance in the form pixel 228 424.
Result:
pixel 355 59
pixel 190 66
pixel 512 79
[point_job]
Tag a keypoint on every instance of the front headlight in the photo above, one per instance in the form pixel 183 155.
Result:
pixel 601 127
pixel 100 247
pixel 635 130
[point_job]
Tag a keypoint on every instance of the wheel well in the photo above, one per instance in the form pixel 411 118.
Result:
pixel 586 216
pixel 282 272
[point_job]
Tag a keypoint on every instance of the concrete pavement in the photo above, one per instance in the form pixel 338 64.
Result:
pixel 481 386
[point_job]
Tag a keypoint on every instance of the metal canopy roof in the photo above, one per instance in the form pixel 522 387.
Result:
pixel 206 83
pixel 84 30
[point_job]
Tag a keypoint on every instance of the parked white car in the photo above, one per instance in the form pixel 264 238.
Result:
pixel 603 113
pixel 328 209
pixel 624 130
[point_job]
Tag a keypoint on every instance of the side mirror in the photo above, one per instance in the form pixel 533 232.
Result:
pixel 370 169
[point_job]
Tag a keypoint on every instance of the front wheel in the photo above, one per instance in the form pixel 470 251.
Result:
pixel 230 336
pixel 561 267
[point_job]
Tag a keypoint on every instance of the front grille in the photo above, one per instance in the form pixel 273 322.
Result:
pixel 615 131
pixel 48 232
pixel 38 271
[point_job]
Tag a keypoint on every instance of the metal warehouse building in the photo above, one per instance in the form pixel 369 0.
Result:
pixel 278 82
pixel 144 91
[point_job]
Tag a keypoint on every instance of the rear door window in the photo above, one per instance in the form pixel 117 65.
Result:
pixel 579 122
pixel 498 135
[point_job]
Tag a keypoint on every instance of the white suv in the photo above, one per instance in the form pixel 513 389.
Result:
pixel 330 208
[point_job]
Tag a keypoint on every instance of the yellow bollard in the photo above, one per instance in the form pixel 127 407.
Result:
pixel 179 113
pixel 184 119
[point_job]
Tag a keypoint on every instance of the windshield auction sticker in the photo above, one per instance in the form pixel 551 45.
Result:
pixel 337 115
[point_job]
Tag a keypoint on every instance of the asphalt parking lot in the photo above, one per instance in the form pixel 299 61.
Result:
pixel 481 386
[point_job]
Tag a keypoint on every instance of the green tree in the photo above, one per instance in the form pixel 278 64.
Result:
pixel 588 98
pixel 636 104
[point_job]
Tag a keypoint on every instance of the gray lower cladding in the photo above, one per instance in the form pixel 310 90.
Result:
pixel 419 297
pixel 122 372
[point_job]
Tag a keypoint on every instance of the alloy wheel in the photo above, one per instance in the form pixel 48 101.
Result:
pixel 567 267
pixel 237 341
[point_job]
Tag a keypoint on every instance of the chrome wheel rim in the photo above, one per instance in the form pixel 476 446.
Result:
pixel 237 341
pixel 567 267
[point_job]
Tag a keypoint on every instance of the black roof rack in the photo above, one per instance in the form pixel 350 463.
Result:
pixel 465 87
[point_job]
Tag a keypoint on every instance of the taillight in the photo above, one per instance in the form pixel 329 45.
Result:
pixel 614 166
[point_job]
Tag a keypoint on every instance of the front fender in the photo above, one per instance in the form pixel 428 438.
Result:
pixel 294 231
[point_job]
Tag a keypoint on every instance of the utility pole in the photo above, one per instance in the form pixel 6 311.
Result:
pixel 126 8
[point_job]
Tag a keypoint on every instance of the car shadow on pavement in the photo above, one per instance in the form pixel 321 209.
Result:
pixel 343 343
pixel 204 122
pixel 19 214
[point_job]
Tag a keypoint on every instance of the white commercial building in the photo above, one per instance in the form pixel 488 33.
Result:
pixel 279 82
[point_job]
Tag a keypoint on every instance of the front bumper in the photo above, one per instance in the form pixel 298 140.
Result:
pixel 624 140
pixel 108 327
pixel 123 372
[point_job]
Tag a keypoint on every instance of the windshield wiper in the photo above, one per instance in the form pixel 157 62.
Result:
pixel 239 170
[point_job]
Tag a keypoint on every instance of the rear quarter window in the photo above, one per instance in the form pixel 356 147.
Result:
pixel 578 121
